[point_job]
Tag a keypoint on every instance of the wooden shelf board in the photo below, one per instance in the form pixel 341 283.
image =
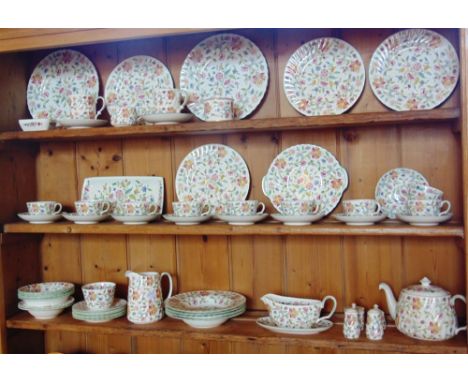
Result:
pixel 223 229
pixel 247 125
pixel 242 329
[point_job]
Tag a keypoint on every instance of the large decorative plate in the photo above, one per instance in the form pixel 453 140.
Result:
pixel 212 173
pixel 58 75
pixel 205 301
pixel 124 189
pixel 414 69
pixel 305 172
pixel 324 76
pixel 226 65
pixel 132 82
pixel 392 190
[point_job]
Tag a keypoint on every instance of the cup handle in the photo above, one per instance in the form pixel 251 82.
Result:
pixel 316 209
pixel 206 210
pixel 57 210
pixel 185 97
pixel 170 284
pixel 452 303
pixel 333 309
pixel 106 208
pixel 379 209
pixel 262 209
pixel 102 107
pixel 447 210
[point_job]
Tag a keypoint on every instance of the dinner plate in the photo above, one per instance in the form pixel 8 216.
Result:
pixel 225 65
pixel 305 172
pixel 84 219
pixel 212 174
pixel 297 219
pixel 242 220
pixel 393 187
pixel 426 221
pixel 359 220
pixel 167 118
pixel 80 123
pixel 414 69
pixel 324 76
pixel 39 219
pixel 58 75
pixel 267 323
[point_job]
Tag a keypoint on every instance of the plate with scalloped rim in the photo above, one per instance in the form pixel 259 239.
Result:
pixel 267 323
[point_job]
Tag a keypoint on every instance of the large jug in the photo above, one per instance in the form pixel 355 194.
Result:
pixel 145 302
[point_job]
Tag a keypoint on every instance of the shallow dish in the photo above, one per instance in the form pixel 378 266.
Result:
pixel 84 219
pixel 80 311
pixel 39 219
pixel 46 312
pixel 45 294
pixel 34 124
pixel 267 323
pixel 80 123
pixel 242 220
pixel 425 221
pixel 297 220
pixel 204 301
pixel 359 220
pixel 134 219
pixel 167 118
pixel 186 220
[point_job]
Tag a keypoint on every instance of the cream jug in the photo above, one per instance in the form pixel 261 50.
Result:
pixel 145 302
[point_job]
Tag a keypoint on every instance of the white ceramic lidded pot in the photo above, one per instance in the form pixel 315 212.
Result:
pixel 351 323
pixel 375 325
pixel 424 311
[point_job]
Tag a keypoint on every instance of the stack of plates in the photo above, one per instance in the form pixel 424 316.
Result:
pixel 205 309
pixel 80 311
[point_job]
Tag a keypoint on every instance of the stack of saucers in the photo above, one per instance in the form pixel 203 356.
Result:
pixel 46 300
pixel 205 309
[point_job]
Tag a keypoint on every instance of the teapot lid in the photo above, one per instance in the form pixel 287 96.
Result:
pixel 425 289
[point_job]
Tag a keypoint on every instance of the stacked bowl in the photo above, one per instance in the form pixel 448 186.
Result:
pixel 205 309
pixel 46 300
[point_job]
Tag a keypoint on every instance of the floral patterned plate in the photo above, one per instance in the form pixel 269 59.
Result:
pixel 212 173
pixel 226 65
pixel 414 69
pixel 132 82
pixel 205 301
pixel 392 190
pixel 124 189
pixel 324 76
pixel 305 172
pixel 267 323
pixel 58 75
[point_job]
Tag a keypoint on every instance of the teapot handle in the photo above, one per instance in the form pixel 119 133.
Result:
pixel 333 309
pixel 452 302
pixel 170 284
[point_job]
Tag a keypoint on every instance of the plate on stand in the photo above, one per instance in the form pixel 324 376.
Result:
pixel 267 323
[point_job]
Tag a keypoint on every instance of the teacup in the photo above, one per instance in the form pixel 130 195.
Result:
pixel 299 207
pixel 244 207
pixel 361 207
pixel 217 109
pixel 83 106
pixel 99 296
pixel 291 312
pixel 423 192
pixel 91 207
pixel 428 207
pixel 44 208
pixel 124 116
pixel 169 100
pixel 190 209
pixel 137 209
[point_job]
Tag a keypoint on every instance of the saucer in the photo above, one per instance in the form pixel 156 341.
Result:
pixel 242 220
pixel 167 118
pixel 39 219
pixel 186 220
pixel 425 221
pixel 80 311
pixel 84 219
pixel 46 312
pixel 359 220
pixel 267 323
pixel 80 123
pixel 134 220
pixel 297 220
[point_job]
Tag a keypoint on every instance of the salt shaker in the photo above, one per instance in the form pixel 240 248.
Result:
pixel 361 311
pixel 351 324
pixel 375 323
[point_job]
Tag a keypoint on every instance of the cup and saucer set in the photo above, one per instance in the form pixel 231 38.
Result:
pixel 360 212
pixel 42 212
pixel 241 212
pixel 89 212
pixel 189 213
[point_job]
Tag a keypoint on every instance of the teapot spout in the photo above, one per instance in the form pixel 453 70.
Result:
pixel 391 301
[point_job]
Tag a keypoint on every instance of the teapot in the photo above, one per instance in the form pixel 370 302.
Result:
pixel 424 311
pixel 145 302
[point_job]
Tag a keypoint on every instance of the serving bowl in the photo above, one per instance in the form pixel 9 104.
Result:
pixel 45 294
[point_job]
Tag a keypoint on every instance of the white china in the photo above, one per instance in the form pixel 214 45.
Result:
pixel 46 294
pixel 429 207
pixel 268 323
pixel 324 76
pixel 305 172
pixel 297 220
pixel 83 105
pixel 46 312
pixel 80 123
pixel 38 124
pixel 80 311
pixel 243 207
pixel 169 100
pixel 39 219
pixel 352 325
pixel 84 219
pixel 166 118
pixel 124 116
pixel 44 208
pixel 132 83
pixel 135 219
pixel 99 295
pixel 214 109
pixel 361 207
pixel 299 207
pixel 392 190
pixel 191 209
pixel 58 75
pixel 226 65
pixel 423 192
pixel 186 220
pixel 212 174
pixel 359 220
pixel 136 208
pixel 425 221
pixel 92 207
pixel 424 311
pixel 414 69
pixel 242 220
pixel 375 324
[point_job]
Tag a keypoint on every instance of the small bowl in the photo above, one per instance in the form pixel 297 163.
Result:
pixel 45 294
pixel 99 296
pixel 34 124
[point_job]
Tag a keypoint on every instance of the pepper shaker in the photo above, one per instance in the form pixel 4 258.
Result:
pixel 351 324
pixel 361 312
pixel 375 325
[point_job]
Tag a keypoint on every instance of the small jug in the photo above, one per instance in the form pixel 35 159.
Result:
pixel 145 302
